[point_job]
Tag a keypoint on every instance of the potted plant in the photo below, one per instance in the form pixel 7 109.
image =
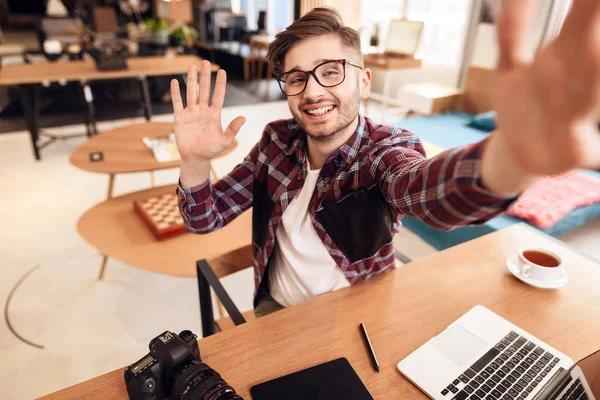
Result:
pixel 184 35
pixel 157 31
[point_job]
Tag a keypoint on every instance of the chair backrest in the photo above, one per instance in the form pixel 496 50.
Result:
pixel 262 18
pixel 232 262
pixel 104 19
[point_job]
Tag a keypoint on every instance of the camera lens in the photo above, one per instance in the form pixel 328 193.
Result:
pixel 198 381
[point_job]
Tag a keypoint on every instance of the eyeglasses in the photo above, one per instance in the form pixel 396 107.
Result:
pixel 327 74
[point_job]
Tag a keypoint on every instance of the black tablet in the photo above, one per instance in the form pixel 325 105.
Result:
pixel 332 380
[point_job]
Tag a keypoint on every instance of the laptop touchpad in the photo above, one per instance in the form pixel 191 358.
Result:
pixel 458 344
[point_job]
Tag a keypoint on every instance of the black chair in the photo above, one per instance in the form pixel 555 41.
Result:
pixel 209 272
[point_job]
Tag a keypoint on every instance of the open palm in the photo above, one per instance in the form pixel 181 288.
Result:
pixel 198 130
pixel 547 108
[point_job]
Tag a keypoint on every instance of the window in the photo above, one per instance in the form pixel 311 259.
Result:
pixel 444 27
pixel 378 13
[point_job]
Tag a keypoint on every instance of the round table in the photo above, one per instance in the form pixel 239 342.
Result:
pixel 124 152
pixel 115 228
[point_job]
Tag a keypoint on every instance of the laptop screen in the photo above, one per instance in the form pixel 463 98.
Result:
pixel 590 369
pixel 581 382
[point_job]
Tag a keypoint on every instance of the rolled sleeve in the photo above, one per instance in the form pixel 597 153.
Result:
pixel 445 191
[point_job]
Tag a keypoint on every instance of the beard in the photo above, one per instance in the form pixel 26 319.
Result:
pixel 323 133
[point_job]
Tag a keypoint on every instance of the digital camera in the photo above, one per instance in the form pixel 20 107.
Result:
pixel 173 367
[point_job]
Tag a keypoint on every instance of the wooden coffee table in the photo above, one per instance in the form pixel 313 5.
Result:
pixel 114 228
pixel 124 152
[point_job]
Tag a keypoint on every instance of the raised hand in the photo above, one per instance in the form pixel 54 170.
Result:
pixel 198 131
pixel 547 109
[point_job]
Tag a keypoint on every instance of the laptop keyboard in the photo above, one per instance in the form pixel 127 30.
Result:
pixel 575 392
pixel 511 370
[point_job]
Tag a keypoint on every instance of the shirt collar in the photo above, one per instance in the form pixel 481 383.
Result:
pixel 347 152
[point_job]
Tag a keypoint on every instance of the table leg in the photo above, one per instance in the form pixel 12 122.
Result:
pixel 30 99
pixel 91 111
pixel 102 268
pixel 152 179
pixel 184 88
pixel 111 185
pixel 246 69
pixel 146 98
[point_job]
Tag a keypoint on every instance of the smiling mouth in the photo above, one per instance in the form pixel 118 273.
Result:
pixel 319 111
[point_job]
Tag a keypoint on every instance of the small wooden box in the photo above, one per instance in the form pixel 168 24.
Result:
pixel 161 214
pixel 430 98
pixel 390 60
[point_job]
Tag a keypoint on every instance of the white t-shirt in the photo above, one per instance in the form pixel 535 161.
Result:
pixel 302 267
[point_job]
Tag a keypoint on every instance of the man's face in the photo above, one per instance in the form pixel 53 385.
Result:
pixel 325 111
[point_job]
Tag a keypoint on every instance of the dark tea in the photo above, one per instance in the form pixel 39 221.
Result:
pixel 541 258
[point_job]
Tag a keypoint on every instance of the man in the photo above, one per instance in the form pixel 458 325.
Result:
pixel 328 187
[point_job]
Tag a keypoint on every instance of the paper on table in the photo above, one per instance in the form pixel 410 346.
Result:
pixel 164 148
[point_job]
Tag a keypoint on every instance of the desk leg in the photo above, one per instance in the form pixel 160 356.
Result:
pixel 111 185
pixel 183 88
pixel 30 99
pixel 146 98
pixel 246 69
pixel 91 111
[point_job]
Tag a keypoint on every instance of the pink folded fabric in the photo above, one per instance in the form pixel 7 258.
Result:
pixel 550 199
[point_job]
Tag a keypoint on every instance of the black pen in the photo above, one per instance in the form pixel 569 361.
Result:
pixel 365 336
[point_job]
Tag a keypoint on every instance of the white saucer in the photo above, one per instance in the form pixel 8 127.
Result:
pixel 513 267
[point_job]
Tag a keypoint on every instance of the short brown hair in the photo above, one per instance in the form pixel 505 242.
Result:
pixel 317 22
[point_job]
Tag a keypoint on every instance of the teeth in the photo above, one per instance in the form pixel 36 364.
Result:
pixel 319 111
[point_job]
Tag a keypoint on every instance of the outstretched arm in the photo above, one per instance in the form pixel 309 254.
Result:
pixel 546 108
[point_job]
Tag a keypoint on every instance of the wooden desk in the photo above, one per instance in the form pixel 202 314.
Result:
pixel 84 71
pixel 402 310
pixel 117 231
pixel 29 77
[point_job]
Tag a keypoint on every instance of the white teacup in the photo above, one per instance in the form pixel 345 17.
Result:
pixel 540 264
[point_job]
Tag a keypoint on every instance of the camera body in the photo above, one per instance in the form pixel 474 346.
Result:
pixel 153 376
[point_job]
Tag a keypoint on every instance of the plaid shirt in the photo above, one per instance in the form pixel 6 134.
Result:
pixel 444 191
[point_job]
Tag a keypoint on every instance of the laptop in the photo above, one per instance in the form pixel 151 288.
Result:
pixel 483 356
